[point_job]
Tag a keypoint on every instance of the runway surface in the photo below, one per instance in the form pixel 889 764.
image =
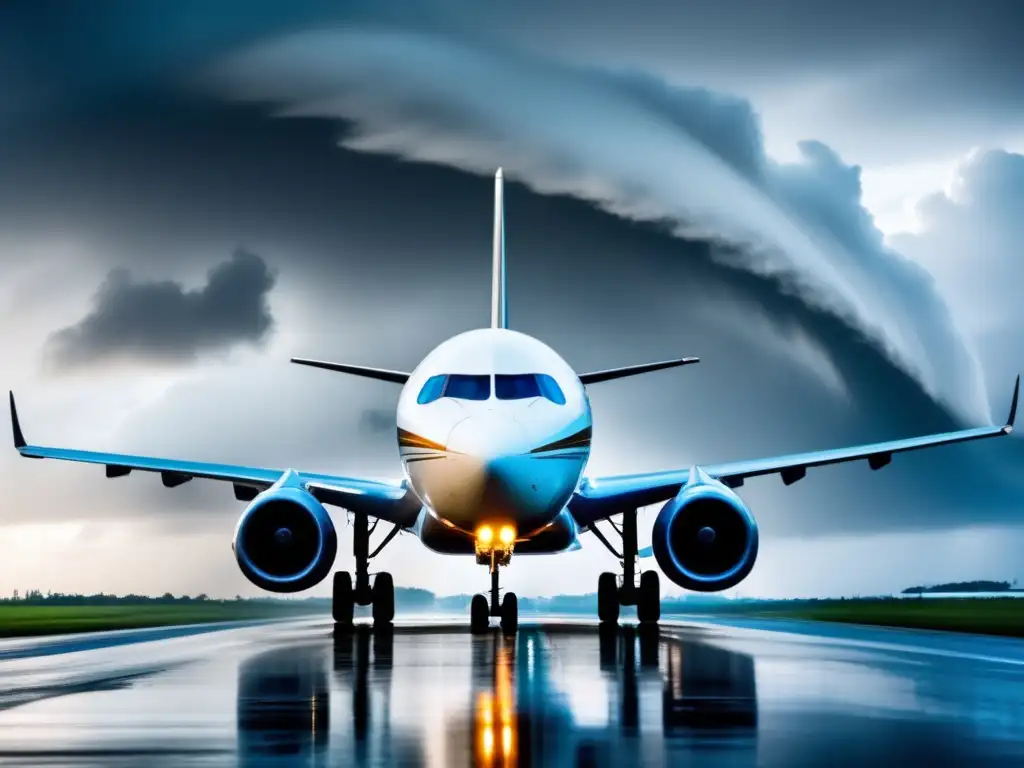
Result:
pixel 560 693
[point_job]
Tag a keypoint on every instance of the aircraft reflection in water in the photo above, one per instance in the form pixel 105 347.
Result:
pixel 283 707
pixel 661 700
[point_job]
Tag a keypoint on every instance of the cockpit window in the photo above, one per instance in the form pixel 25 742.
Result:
pixel 519 386
pixel 550 389
pixel 432 389
pixel 516 387
pixel 468 387
pixel 526 385
pixel 458 385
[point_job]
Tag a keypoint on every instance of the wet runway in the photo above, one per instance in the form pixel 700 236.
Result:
pixel 560 693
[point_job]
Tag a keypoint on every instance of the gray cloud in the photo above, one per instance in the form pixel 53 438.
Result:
pixel 383 258
pixel 165 322
pixel 970 239
pixel 634 146
pixel 377 421
pixel 818 68
pixel 822 69
pixel 826 193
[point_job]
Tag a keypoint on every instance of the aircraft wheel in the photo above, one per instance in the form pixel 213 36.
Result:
pixel 383 599
pixel 479 614
pixel 510 613
pixel 648 604
pixel 342 602
pixel 607 598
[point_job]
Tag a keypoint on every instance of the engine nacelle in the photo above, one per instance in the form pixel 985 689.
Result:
pixel 285 540
pixel 705 539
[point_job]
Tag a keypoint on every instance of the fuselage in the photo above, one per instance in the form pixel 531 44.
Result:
pixel 494 429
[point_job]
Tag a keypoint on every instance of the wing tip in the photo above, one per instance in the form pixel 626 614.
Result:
pixel 19 436
pixel 1008 428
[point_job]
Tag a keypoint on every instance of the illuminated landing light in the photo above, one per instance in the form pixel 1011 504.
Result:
pixel 506 740
pixel 507 534
pixel 488 744
pixel 485 534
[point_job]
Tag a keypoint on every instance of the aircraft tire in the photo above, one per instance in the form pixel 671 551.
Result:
pixel 479 614
pixel 342 599
pixel 383 599
pixel 510 613
pixel 648 604
pixel 607 598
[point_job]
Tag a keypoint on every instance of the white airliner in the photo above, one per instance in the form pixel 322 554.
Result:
pixel 494 432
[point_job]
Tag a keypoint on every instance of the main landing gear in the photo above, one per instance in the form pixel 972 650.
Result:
pixel 381 595
pixel 494 554
pixel 610 595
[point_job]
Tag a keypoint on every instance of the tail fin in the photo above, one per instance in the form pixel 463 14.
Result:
pixel 499 304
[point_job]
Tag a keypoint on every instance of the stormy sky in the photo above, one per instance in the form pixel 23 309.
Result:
pixel 187 199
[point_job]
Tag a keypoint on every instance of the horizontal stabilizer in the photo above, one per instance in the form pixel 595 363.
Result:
pixel 634 370
pixel 398 377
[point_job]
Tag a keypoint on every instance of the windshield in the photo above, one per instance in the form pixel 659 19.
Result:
pixel 520 386
pixel 458 385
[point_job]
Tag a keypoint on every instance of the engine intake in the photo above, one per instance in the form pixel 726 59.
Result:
pixel 705 539
pixel 285 540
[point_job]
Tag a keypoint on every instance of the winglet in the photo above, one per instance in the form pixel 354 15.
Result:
pixel 19 437
pixel 1013 407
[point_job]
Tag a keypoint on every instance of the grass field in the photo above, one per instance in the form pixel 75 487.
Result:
pixel 17 620
pixel 989 616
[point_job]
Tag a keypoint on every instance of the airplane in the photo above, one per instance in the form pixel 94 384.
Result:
pixel 494 434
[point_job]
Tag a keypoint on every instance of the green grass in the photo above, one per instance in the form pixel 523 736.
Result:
pixel 989 616
pixel 27 620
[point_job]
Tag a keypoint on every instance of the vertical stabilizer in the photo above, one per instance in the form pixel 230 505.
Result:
pixel 499 305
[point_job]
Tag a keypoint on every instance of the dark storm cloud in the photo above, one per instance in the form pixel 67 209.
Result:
pixel 634 145
pixel 386 258
pixel 164 321
pixel 725 124
pixel 827 194
pixel 956 57
pixel 838 62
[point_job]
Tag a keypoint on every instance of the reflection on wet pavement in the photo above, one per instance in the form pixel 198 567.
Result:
pixel 555 694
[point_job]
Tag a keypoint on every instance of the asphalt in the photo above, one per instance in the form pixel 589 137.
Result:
pixel 560 693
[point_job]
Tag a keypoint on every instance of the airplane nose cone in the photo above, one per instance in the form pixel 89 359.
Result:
pixel 487 436
pixel 488 474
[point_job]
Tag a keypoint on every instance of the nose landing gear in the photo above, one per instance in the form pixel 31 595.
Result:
pixel 481 610
pixel 610 595
pixel 381 595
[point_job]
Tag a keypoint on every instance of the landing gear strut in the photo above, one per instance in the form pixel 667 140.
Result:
pixel 611 595
pixel 481 610
pixel 381 595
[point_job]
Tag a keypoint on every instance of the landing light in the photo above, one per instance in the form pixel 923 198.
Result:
pixel 507 534
pixel 485 534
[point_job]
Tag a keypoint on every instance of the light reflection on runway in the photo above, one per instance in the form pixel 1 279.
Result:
pixel 555 694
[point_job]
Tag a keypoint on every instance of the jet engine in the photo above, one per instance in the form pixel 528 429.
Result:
pixel 705 539
pixel 285 540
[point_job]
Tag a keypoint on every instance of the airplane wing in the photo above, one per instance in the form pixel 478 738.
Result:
pixel 600 498
pixel 391 501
